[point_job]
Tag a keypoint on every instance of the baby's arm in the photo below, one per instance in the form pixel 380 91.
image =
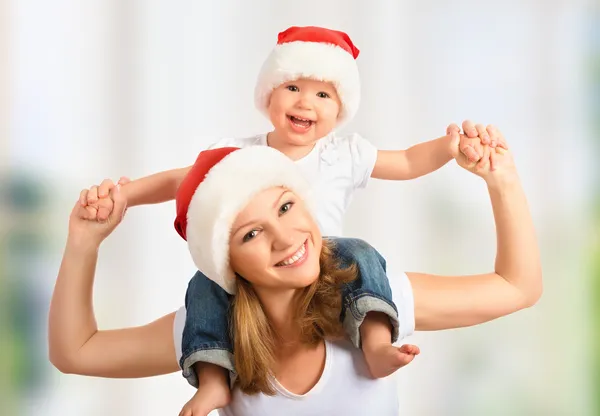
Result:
pixel 427 157
pixel 153 189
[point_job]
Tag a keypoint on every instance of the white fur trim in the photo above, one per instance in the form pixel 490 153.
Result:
pixel 319 61
pixel 227 189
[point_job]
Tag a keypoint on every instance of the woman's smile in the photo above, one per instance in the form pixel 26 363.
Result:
pixel 297 258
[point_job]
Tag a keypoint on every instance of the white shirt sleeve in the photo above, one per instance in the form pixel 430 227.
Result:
pixel 260 139
pixel 226 142
pixel 364 156
pixel 178 325
pixel 402 295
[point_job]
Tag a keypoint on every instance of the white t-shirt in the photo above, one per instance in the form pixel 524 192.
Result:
pixel 336 167
pixel 344 387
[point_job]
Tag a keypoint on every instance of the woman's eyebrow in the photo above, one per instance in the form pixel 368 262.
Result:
pixel 278 201
pixel 275 205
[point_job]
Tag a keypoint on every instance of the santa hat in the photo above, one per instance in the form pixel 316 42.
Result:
pixel 315 53
pixel 219 185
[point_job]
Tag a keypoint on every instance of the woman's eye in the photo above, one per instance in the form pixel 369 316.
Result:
pixel 285 207
pixel 323 95
pixel 292 88
pixel 249 236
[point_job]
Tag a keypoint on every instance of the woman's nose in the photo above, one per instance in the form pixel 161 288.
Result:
pixel 283 239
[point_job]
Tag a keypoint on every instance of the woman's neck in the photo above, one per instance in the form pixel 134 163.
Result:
pixel 280 309
pixel 297 365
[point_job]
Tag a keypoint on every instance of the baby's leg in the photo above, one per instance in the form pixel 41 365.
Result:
pixel 369 314
pixel 207 351
pixel 213 391
pixel 382 357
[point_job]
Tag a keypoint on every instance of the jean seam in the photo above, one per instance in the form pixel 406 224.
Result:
pixel 353 321
pixel 190 375
pixel 205 347
pixel 351 301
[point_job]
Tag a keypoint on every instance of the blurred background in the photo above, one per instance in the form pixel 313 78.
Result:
pixel 106 88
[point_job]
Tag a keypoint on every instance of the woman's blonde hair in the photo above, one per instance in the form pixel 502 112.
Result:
pixel 317 312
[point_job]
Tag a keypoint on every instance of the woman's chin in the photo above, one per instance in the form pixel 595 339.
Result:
pixel 303 278
pixel 309 276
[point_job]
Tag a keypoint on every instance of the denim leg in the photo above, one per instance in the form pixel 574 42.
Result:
pixel 370 292
pixel 206 336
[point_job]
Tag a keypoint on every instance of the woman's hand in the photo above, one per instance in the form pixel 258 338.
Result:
pixel 85 228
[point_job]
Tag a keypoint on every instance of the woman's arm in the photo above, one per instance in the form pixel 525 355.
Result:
pixel 76 345
pixel 449 302
pixel 443 302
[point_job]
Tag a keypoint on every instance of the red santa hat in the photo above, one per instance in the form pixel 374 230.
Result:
pixel 315 53
pixel 219 185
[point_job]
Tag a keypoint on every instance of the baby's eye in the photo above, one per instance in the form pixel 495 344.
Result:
pixel 323 95
pixel 293 88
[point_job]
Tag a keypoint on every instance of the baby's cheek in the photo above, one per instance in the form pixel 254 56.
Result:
pixel 334 112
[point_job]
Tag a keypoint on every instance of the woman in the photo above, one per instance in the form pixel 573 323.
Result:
pixel 286 303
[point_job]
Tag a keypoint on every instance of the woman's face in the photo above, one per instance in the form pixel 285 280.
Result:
pixel 275 243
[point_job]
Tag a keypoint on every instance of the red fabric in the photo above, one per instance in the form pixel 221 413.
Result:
pixel 319 35
pixel 204 163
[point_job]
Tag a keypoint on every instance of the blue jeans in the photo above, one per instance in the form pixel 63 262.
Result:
pixel 206 336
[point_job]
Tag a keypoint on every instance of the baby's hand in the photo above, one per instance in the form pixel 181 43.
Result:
pixel 488 135
pixel 478 142
pixel 95 199
pixel 489 160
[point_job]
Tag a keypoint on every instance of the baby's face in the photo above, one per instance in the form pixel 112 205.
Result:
pixel 303 111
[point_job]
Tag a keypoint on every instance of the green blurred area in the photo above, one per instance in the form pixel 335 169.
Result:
pixel 595 286
pixel 22 248
pixel 594 254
